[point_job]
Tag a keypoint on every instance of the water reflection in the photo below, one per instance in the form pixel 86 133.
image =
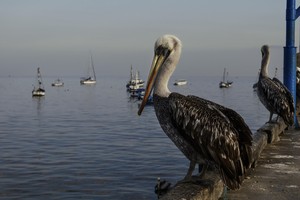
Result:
pixel 39 102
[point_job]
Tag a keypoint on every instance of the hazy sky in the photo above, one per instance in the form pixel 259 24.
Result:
pixel 57 35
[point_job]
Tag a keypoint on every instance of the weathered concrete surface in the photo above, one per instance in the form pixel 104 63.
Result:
pixel 277 174
pixel 212 186
pixel 273 130
pixel 268 133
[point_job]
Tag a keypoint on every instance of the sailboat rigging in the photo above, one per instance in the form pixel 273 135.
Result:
pixel 39 90
pixel 91 78
pixel 225 83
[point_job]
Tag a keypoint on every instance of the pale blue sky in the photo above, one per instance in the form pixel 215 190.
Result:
pixel 57 35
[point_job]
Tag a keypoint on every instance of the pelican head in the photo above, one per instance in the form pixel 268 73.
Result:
pixel 264 50
pixel 167 50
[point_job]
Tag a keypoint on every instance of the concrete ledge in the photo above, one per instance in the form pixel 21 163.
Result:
pixel 273 130
pixel 267 134
pixel 277 174
pixel 211 186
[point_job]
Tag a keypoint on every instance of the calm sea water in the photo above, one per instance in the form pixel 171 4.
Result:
pixel 87 142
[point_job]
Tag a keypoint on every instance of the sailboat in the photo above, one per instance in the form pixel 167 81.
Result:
pixel 91 78
pixel 225 83
pixel 39 90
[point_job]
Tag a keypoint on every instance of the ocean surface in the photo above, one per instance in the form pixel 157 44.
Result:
pixel 87 142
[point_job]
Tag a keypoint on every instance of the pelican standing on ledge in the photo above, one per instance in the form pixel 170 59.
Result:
pixel 205 132
pixel 273 94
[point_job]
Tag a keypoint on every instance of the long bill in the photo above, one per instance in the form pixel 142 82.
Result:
pixel 157 62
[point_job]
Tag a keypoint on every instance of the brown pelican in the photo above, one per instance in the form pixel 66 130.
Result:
pixel 272 93
pixel 205 132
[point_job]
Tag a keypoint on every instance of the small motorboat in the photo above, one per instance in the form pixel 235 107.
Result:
pixel 135 81
pixel 180 82
pixel 58 83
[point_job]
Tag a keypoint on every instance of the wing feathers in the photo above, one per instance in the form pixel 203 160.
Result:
pixel 276 98
pixel 212 134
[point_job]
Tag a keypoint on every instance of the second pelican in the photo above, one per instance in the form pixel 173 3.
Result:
pixel 272 93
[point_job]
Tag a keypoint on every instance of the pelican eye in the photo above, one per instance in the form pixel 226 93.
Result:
pixel 162 51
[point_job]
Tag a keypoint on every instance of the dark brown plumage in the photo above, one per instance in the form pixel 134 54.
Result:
pixel 205 132
pixel 273 94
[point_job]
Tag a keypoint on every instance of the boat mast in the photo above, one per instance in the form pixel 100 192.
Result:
pixel 131 73
pixel 227 77
pixel 92 64
pixel 224 75
pixel 39 78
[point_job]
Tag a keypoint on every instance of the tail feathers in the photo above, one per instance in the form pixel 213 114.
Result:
pixel 286 114
pixel 233 182
pixel 288 118
pixel 246 156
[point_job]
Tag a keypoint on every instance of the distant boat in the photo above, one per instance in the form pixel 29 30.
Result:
pixel 180 82
pixel 225 83
pixel 58 83
pixel 139 93
pixel 91 78
pixel 38 89
pixel 135 82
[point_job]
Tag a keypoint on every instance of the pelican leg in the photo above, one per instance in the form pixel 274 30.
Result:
pixel 190 171
pixel 202 169
pixel 195 179
pixel 277 118
pixel 224 195
pixel 270 118
pixel 188 176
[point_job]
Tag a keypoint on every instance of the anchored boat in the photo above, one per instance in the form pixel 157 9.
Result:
pixel 58 83
pixel 180 82
pixel 225 83
pixel 38 89
pixel 135 82
pixel 91 78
